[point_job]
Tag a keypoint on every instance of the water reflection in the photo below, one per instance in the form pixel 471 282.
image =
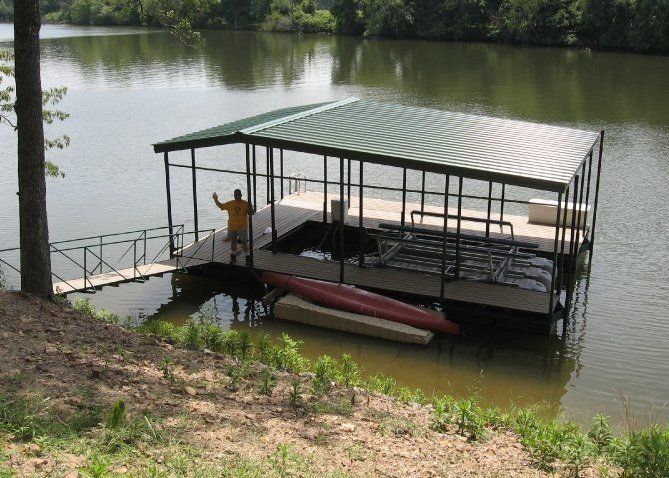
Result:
pixel 545 84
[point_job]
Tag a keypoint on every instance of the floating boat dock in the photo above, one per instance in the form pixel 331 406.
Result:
pixel 514 267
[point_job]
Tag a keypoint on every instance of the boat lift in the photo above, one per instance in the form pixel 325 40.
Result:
pixel 481 259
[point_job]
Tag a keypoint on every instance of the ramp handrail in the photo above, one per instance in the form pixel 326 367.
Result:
pixel 96 245
pixel 298 180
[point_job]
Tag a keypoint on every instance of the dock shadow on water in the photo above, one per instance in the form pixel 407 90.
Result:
pixel 502 368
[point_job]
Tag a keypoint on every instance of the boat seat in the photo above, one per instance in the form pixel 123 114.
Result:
pixel 544 211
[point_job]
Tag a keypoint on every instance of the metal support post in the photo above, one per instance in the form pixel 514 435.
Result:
pixel 594 212
pixel 255 185
pixel 194 171
pixel 348 178
pixel 281 169
pixel 457 240
pixel 361 227
pixel 404 194
pixel 341 219
pixel 325 189
pixel 587 196
pixel 272 208
pixel 555 257
pixel 422 195
pixel 572 243
pixel 169 204
pixel 248 194
pixel 487 224
pixel 444 237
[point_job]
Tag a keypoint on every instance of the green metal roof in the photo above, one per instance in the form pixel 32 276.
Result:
pixel 479 147
pixel 224 134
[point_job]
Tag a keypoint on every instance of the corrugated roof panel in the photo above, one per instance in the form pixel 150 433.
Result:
pixel 495 149
pixel 485 147
pixel 224 131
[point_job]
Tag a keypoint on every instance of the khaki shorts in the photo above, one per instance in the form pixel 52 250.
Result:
pixel 241 236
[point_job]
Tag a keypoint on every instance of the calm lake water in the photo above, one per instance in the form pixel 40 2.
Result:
pixel 129 88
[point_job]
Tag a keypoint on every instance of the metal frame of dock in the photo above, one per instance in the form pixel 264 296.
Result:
pixel 561 161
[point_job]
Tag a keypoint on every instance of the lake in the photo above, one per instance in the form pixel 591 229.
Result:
pixel 129 88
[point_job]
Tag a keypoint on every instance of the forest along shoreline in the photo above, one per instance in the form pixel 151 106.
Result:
pixel 82 395
pixel 631 25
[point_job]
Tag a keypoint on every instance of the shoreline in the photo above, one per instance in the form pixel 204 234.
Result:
pixel 255 28
pixel 253 406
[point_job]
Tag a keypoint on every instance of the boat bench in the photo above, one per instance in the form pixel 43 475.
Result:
pixel 544 211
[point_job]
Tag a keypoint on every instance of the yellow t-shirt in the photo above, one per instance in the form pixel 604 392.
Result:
pixel 238 214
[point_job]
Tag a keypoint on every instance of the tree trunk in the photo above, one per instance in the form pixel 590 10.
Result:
pixel 34 230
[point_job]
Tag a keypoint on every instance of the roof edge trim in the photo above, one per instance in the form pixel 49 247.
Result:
pixel 303 114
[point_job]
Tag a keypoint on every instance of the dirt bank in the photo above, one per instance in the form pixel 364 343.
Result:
pixel 52 352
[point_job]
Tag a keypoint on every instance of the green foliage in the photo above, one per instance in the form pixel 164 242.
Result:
pixel 382 384
pixel 212 337
pixel 303 17
pixel 349 371
pixel 245 344
pixel 646 453
pixel 348 17
pixel 84 306
pixel 167 368
pixel 265 349
pixel 287 355
pixel 116 416
pixel 268 381
pixel 231 343
pixel 601 435
pixel 50 97
pixel 465 414
pixel 192 337
pixel 32 418
pixel 325 373
pixel 411 395
pixel 295 395
pixel 388 18
pixel 97 466
pixel 643 454
pixel 237 374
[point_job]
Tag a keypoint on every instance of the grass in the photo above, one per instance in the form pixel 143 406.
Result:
pixel 553 444
pixel 134 444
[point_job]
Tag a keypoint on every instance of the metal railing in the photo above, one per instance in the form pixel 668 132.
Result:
pixel 97 248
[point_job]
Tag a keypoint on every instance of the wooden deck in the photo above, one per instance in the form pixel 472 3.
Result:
pixel 115 277
pixel 296 209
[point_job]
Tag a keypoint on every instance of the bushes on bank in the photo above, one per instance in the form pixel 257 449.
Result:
pixel 637 25
pixel 302 17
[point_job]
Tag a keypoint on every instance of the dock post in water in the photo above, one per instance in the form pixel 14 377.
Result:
pixel 594 213
pixel 555 257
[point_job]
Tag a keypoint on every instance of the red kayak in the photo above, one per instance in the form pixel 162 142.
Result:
pixel 352 299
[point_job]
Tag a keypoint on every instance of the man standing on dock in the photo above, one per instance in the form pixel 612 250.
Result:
pixel 238 223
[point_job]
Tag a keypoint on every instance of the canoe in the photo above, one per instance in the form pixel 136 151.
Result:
pixel 352 299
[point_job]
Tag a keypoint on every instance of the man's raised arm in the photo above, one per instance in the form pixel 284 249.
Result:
pixel 218 203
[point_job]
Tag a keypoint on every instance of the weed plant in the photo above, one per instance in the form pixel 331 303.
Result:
pixel 326 372
pixel 268 381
